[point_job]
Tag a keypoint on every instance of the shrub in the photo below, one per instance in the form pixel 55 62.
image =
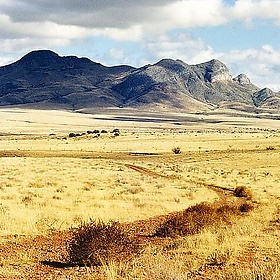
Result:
pixel 27 199
pixel 190 221
pixel 115 130
pixel 96 243
pixel 195 218
pixel 246 207
pixel 270 148
pixel 133 190
pixel 242 192
pixel 176 150
pixel 72 134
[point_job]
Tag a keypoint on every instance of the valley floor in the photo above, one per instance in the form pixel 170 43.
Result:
pixel 51 182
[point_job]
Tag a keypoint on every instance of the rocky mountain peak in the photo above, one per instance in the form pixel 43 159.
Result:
pixel 262 95
pixel 216 65
pixel 173 65
pixel 215 71
pixel 40 57
pixel 242 79
pixel 49 61
pixel 267 91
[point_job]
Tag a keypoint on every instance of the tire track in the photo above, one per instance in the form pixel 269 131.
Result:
pixel 149 172
pixel 222 192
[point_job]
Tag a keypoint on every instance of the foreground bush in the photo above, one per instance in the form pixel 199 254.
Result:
pixel 96 243
pixel 195 218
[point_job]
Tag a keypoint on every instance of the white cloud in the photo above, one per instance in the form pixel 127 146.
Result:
pixel 134 33
pixel 249 9
pixel 51 30
pixel 261 65
pixel 86 13
pixel 122 19
pixel 6 60
pixel 195 13
pixel 177 46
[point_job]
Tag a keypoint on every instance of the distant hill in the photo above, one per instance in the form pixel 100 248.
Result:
pixel 43 79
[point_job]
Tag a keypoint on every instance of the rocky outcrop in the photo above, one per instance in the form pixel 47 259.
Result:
pixel 242 79
pixel 266 98
pixel 215 71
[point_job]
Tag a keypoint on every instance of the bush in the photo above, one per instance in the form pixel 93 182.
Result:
pixel 245 207
pixel 72 134
pixel 176 150
pixel 270 148
pixel 195 218
pixel 190 221
pixel 242 192
pixel 96 243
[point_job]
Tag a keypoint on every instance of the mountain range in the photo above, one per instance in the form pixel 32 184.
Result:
pixel 43 79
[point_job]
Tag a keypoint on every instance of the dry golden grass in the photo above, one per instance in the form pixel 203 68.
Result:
pixel 39 194
pixel 52 183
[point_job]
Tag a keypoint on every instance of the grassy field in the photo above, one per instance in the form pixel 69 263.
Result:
pixel 51 182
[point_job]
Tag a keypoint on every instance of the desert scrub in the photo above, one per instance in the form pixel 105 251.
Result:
pixel 243 192
pixel 96 243
pixel 176 150
pixel 198 217
pixel 270 148
pixel 246 207
pixel 133 190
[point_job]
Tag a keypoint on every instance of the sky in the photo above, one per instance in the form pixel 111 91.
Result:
pixel 243 34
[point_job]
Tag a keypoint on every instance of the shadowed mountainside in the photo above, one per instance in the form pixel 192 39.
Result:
pixel 43 79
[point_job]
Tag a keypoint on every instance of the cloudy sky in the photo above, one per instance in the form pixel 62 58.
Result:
pixel 244 34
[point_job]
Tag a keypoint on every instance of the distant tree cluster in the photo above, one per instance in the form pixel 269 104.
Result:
pixel 96 132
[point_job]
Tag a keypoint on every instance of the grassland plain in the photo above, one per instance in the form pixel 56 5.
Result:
pixel 50 182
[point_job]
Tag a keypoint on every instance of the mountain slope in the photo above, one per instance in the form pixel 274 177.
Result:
pixel 64 81
pixel 208 83
pixel 45 79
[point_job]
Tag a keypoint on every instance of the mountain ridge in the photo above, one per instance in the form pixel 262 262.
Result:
pixel 42 78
